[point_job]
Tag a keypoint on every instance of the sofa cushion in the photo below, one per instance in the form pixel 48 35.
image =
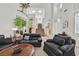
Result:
pixel 33 38
pixel 66 48
pixel 26 41
pixel 35 35
pixel 58 40
pixel 5 41
pixel 29 41
pixel 67 39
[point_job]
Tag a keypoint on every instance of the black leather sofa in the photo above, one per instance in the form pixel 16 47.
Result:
pixel 34 39
pixel 60 46
pixel 5 42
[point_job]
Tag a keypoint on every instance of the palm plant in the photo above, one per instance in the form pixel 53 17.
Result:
pixel 24 6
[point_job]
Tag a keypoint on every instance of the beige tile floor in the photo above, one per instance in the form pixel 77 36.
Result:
pixel 77 51
pixel 39 50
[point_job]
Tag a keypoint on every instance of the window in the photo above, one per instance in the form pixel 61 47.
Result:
pixel 77 22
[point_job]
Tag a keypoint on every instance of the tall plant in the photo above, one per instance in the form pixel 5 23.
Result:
pixel 19 22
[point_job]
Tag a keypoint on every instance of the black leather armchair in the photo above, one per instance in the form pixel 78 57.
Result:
pixel 60 46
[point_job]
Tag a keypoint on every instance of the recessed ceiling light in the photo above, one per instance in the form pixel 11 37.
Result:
pixel 39 11
pixel 58 19
pixel 33 11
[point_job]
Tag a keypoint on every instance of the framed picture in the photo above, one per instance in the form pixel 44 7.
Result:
pixel 65 24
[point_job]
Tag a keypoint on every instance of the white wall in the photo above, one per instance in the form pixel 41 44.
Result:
pixel 7 14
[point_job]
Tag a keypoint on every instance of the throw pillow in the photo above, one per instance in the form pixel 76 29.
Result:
pixel 58 40
pixel 26 37
pixel 67 39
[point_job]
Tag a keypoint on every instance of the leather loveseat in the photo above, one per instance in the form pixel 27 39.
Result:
pixel 60 46
pixel 34 39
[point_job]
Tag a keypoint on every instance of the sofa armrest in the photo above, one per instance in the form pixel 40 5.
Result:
pixel 51 49
pixel 5 46
pixel 69 51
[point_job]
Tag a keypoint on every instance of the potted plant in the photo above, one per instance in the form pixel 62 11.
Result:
pixel 20 23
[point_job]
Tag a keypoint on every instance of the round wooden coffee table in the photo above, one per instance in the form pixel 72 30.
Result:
pixel 26 50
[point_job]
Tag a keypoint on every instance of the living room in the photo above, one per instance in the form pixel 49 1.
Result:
pixel 46 19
